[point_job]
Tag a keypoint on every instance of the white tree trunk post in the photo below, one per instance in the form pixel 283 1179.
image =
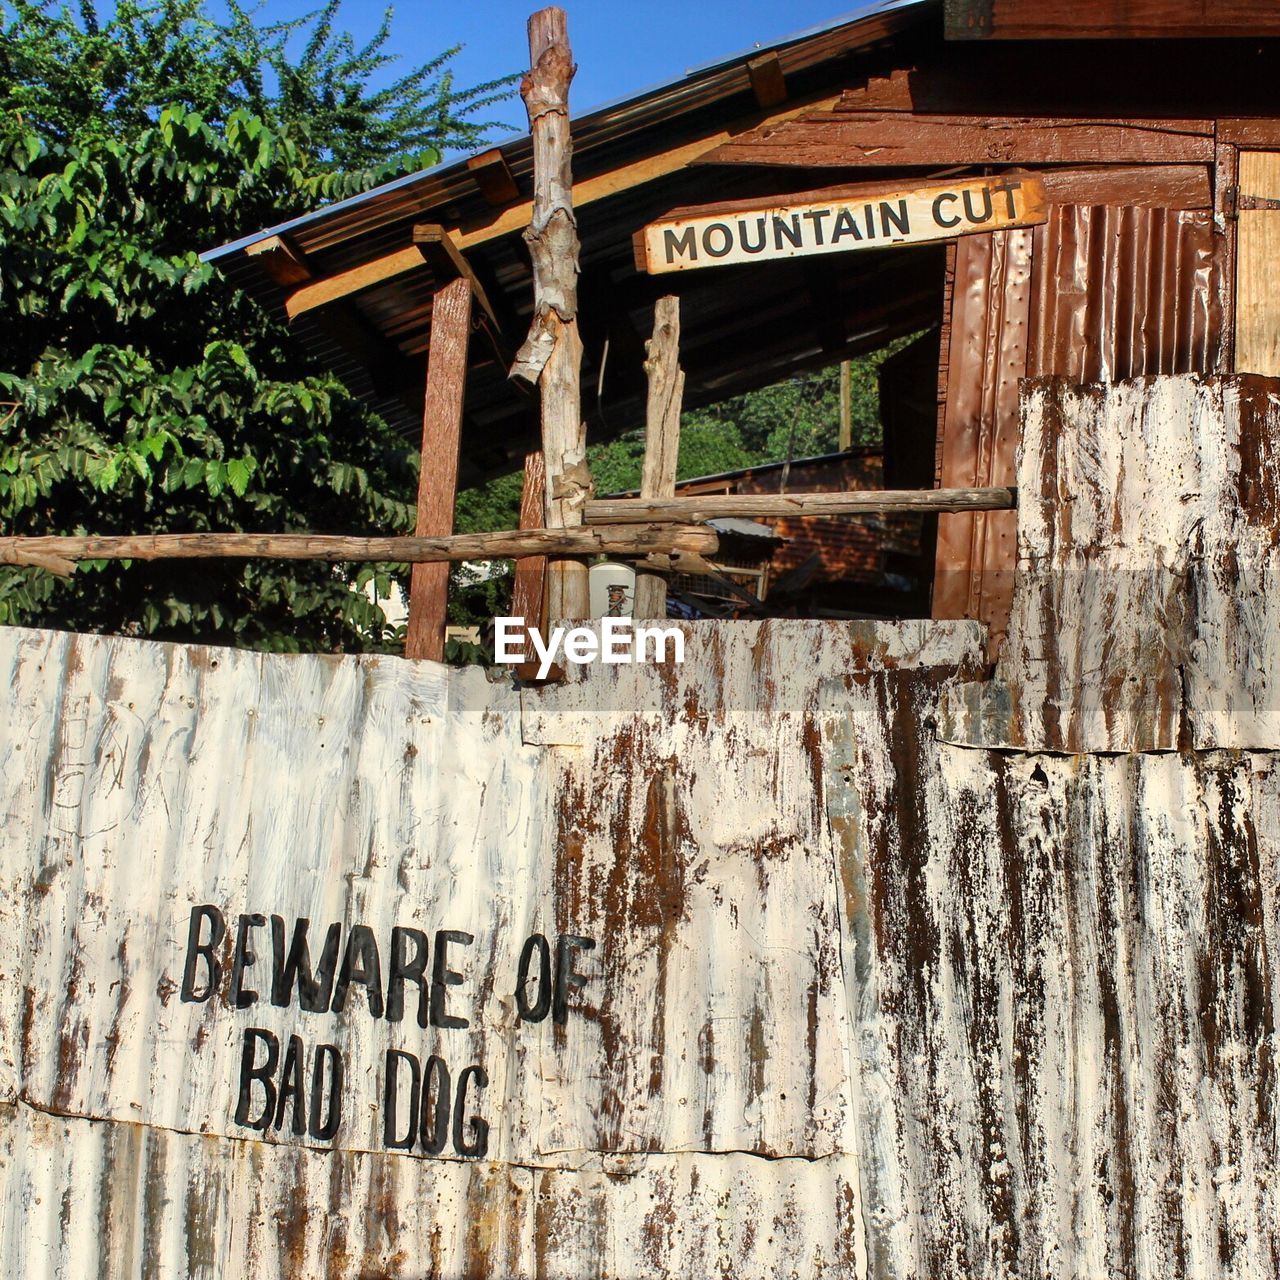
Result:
pixel 551 356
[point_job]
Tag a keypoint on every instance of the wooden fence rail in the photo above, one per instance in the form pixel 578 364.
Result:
pixel 711 506
pixel 57 554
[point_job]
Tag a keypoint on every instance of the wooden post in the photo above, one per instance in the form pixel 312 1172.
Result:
pixel 846 406
pixel 662 435
pixel 552 354
pixel 438 478
pixel 528 593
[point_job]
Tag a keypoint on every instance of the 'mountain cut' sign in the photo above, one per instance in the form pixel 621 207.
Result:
pixel 716 238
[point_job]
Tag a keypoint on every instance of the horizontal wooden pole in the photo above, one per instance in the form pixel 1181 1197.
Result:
pixel 630 539
pixel 711 506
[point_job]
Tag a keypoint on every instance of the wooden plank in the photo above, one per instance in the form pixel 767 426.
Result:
pixel 1260 134
pixel 438 477
pixel 662 435
pixel 467 235
pixel 528 592
pixel 1082 79
pixel 1110 19
pixel 627 538
pixel 1258 266
pixel 774 230
pixel 712 506
pixel 842 140
pixel 768 83
pixel 551 356
pixel 494 178
pixel 1158 186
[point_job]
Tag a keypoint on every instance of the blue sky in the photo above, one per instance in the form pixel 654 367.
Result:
pixel 619 47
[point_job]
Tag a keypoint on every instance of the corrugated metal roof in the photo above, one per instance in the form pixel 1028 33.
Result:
pixel 703 83
pixel 743 528
pixel 632 160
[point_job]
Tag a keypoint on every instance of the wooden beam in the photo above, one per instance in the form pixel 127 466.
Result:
pixel 662 436
pixel 551 356
pixel 466 235
pixel 494 178
pixel 438 476
pixel 447 263
pixel 1263 134
pixel 282 260
pixel 712 506
pixel 58 554
pixel 768 83
pixel 846 406
pixel 1109 19
pixel 1226 177
pixel 845 140
pixel 528 592
pixel 1153 186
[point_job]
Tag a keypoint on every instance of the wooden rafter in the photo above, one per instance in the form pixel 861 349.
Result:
pixel 329 289
pixel 495 320
pixel 768 83
pixel 494 178
pixel 844 139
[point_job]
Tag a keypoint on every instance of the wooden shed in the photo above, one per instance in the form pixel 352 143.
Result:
pixel 1150 139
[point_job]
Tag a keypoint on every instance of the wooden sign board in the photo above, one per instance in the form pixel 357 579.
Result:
pixel 713 239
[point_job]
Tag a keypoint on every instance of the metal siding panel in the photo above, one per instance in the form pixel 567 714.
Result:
pixel 1144 613
pixel 864 1003
pixel 1115 292
pixel 1122 292
pixel 988 355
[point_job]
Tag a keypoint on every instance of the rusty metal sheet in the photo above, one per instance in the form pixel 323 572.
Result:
pixel 118 1201
pixel 1144 610
pixel 987 357
pixel 1065 1002
pixel 1097 293
pixel 1122 292
pixel 861 1003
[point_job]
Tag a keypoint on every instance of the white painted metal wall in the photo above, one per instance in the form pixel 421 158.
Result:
pixel 862 1002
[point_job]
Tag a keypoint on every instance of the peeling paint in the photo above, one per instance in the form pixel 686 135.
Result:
pixel 862 999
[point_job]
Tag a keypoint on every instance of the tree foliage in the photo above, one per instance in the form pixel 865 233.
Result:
pixel 144 392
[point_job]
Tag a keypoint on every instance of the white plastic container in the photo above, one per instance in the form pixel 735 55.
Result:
pixel 612 589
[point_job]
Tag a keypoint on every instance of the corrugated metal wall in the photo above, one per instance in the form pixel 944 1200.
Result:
pixel 1098 293
pixel 861 1000
pixel 1145 606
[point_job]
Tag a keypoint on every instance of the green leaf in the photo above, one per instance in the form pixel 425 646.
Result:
pixel 238 476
